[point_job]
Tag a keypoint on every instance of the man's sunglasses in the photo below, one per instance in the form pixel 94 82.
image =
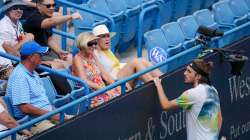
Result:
pixel 49 5
pixel 91 43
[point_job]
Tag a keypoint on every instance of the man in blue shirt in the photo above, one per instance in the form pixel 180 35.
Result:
pixel 25 88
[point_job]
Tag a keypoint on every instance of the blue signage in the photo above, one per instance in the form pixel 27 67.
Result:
pixel 157 55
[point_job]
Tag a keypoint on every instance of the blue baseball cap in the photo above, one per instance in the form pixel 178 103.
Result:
pixel 32 47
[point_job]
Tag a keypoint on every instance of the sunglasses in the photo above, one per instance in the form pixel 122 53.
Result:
pixel 49 5
pixel 104 35
pixel 91 43
pixel 17 8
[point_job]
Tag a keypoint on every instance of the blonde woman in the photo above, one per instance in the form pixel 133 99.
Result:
pixel 87 67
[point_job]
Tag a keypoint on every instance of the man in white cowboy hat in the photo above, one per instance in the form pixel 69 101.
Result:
pixel 112 64
pixel 12 35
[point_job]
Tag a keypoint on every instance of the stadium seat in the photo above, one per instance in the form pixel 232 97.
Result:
pixel 84 25
pixel 166 11
pixel 133 3
pixel 239 8
pixel 248 3
pixel 155 40
pixel 180 9
pixel 194 5
pixel 204 17
pixel 189 26
pixel 207 4
pixel 224 15
pixel 10 110
pixel 175 38
pixel 65 100
pixel 77 1
pixel 50 89
pixel 128 28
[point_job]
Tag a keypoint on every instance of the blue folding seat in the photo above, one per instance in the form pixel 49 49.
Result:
pixel 73 110
pixel 207 3
pixel 239 8
pixel 7 101
pixel 248 3
pixel 205 17
pixel 166 11
pixel 189 27
pixel 155 38
pixel 128 28
pixel 194 5
pixel 77 1
pixel 157 47
pixel 49 89
pixel 180 9
pixel 84 25
pixel 150 16
pixel 175 37
pixel 224 15
pixel 101 6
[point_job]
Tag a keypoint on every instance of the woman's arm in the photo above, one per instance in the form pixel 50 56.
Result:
pixel 80 72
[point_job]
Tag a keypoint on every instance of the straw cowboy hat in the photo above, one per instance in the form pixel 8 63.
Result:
pixel 10 3
pixel 102 29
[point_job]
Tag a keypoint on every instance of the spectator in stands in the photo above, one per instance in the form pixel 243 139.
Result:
pixel 40 23
pixel 7 122
pixel 5 71
pixel 12 35
pixel 86 66
pixel 202 104
pixel 112 64
pixel 25 89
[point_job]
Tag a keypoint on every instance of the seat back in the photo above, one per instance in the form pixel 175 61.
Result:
pixel 77 1
pixel 133 3
pixel 205 17
pixel 99 5
pixel 189 26
pixel 248 3
pixel 194 5
pixel 207 3
pixel 173 33
pixel 239 7
pixel 8 105
pixel 83 25
pixel 116 6
pixel 180 9
pixel 157 47
pixel 49 88
pixel 155 38
pixel 223 13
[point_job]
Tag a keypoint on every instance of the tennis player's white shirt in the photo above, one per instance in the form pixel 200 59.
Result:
pixel 202 110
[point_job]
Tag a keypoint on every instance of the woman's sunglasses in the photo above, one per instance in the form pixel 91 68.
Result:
pixel 91 43
pixel 104 35
pixel 17 8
